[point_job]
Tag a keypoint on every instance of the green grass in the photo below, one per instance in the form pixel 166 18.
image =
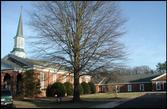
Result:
pixel 109 96
pixel 130 95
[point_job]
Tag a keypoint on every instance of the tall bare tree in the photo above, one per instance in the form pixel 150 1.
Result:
pixel 80 34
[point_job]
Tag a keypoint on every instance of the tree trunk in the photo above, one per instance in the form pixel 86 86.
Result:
pixel 76 94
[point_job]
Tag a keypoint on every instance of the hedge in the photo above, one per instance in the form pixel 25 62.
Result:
pixel 49 91
pixel 56 88
pixel 86 88
pixel 92 87
pixel 68 88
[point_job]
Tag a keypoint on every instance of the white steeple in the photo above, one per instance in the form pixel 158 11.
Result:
pixel 18 49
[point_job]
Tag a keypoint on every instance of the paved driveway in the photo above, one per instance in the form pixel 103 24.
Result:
pixel 149 100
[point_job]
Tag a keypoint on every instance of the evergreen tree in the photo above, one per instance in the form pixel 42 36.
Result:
pixel 31 84
pixel 86 88
pixel 68 88
pixel 92 87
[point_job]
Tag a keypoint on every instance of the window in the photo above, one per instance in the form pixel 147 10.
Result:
pixel 141 87
pixel 158 86
pixel 163 85
pixel 42 75
pixel 129 88
pixel 65 78
pixel 54 77
pixel 117 88
pixel 104 89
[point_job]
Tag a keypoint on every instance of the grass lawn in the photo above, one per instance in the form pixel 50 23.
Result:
pixel 89 100
pixel 111 96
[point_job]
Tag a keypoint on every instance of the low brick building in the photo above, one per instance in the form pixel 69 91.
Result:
pixel 159 83
pixel 13 68
pixel 134 83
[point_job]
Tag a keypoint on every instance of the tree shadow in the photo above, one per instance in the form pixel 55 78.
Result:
pixel 65 104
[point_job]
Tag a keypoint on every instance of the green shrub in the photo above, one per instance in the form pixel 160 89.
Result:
pixel 58 89
pixel 49 91
pixel 92 87
pixel 86 88
pixel 68 88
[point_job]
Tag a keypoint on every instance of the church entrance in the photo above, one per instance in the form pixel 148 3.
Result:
pixel 7 81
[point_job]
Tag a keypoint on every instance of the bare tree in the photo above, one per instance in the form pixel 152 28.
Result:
pixel 80 34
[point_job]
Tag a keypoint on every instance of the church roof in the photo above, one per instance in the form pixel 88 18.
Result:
pixel 19 62
pixel 8 65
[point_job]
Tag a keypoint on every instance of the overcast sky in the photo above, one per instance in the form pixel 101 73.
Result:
pixel 145 39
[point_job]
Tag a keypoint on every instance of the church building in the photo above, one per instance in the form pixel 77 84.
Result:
pixel 16 63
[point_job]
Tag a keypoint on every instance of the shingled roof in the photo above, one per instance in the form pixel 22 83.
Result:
pixel 10 61
pixel 131 78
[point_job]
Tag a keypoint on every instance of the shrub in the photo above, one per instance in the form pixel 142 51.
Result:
pixel 68 88
pixel 31 85
pixel 49 91
pixel 58 89
pixel 92 87
pixel 86 88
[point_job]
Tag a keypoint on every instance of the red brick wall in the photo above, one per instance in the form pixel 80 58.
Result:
pixel 163 86
pixel 13 76
pixel 48 78
pixel 147 87
pixel 124 87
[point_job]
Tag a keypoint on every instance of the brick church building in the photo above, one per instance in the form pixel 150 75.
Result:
pixel 16 63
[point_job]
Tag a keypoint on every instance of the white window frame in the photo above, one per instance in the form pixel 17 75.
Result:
pixel 141 87
pixel 117 88
pixel 42 81
pixel 158 85
pixel 129 87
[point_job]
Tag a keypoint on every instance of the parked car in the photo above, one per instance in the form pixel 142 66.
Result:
pixel 6 98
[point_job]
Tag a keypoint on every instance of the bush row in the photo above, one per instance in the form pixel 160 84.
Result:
pixel 59 89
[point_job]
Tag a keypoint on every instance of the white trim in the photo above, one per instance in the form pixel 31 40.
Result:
pixel 42 80
pixel 101 81
pixel 159 76
pixel 161 81
pixel 124 83
pixel 130 83
pixel 50 70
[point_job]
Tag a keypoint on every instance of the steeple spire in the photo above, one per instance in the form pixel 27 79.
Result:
pixel 18 49
pixel 20 26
